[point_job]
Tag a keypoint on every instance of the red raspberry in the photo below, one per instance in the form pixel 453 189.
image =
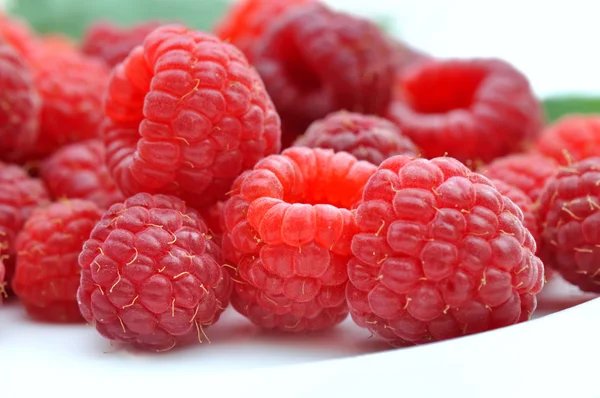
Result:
pixel 77 171
pixel 246 21
pixel 571 139
pixel 112 43
pixel 48 272
pixel 71 86
pixel 151 276
pixel 58 42
pixel 525 204
pixel 288 229
pixel 19 195
pixel 19 105
pixel 18 34
pixel 406 58
pixel 315 61
pixel 212 216
pixel 186 115
pixel 440 253
pixel 526 171
pixel 366 137
pixel 472 109
pixel 569 212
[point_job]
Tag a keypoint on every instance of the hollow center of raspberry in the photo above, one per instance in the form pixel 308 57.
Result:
pixel 443 91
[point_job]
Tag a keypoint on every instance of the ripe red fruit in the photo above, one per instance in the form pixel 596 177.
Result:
pixel 288 228
pixel 151 275
pixel 19 105
pixel 471 109
pixel 18 34
pixel 440 253
pixel 112 43
pixel 526 171
pixel 315 61
pixel 186 115
pixel 77 171
pixel 369 138
pixel 71 86
pixel 19 195
pixel 570 218
pixel 571 139
pixel 3 283
pixel 48 273
pixel 524 203
pixel 246 21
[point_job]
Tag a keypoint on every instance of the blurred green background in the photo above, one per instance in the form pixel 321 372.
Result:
pixel 71 17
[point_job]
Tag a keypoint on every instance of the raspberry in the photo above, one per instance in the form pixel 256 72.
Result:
pixel 526 171
pixel 18 34
pixel 19 195
pixel 112 43
pixel 525 204
pixel 315 61
pixel 212 217
pixel 569 214
pixel 150 274
pixel 440 253
pixel 406 58
pixel 48 273
pixel 186 115
pixel 71 86
pixel 77 171
pixel 471 109
pixel 366 137
pixel 288 229
pixel 246 21
pixel 20 105
pixel 571 139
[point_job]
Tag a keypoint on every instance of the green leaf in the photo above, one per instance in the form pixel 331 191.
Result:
pixel 557 107
pixel 71 17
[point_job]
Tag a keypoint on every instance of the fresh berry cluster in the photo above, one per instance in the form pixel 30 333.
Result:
pixel 298 163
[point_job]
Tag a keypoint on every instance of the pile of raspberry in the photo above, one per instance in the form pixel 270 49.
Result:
pixel 299 164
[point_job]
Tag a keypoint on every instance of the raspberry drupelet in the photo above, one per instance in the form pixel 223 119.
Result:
pixel 185 115
pixel 47 273
pixel 474 110
pixel 78 171
pixel 569 213
pixel 288 229
pixel 440 253
pixel 20 105
pixel 19 195
pixel 18 34
pixel 246 21
pixel 315 61
pixel 3 283
pixel 571 139
pixel 151 274
pixel 112 43
pixel 367 137
pixel 526 171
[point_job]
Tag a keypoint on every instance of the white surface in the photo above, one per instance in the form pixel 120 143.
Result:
pixel 548 356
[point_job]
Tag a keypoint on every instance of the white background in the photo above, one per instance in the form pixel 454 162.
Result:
pixel 555 44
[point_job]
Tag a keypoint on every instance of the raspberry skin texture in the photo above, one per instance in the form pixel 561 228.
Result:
pixel 78 171
pixel 246 21
pixel 527 171
pixel 315 61
pixel 570 222
pixel 288 228
pixel 18 34
pixel 112 43
pixel 525 204
pixel 71 86
pixel 19 195
pixel 571 139
pixel 470 109
pixel 20 109
pixel 186 114
pixel 151 276
pixel 48 273
pixel 440 253
pixel 369 138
